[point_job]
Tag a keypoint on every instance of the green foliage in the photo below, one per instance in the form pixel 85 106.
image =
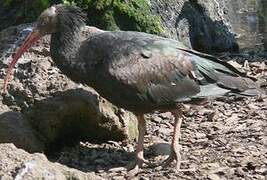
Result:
pixel 120 14
pixel 7 3
pixel 106 14
pixel 25 10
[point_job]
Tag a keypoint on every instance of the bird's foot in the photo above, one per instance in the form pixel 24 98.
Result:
pixel 175 155
pixel 135 169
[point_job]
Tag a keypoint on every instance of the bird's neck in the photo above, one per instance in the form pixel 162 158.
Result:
pixel 64 47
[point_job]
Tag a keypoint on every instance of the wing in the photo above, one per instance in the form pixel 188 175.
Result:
pixel 224 75
pixel 160 71
pixel 161 79
pixel 164 70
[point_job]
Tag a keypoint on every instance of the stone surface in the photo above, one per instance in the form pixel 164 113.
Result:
pixel 199 24
pixel 18 164
pixel 206 25
pixel 215 26
pixel 14 128
pixel 218 149
pixel 248 19
pixel 80 114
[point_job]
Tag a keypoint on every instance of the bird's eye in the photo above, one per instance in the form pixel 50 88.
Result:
pixel 44 22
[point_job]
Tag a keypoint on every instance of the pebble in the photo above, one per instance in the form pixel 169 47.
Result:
pixel 161 149
pixel 117 169
pixel 215 177
pixel 118 178
pixel 166 115
pixel 200 135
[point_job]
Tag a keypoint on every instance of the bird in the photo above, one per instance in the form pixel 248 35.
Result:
pixel 137 71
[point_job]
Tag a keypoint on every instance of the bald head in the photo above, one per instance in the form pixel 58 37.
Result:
pixel 47 21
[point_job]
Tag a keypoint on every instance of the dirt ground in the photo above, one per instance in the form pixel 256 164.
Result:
pixel 224 139
pixel 232 145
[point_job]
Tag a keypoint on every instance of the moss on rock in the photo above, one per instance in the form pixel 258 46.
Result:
pixel 21 11
pixel 112 15
pixel 120 14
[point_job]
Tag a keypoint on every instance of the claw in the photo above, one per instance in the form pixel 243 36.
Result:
pixel 175 153
pixel 173 156
pixel 140 160
pixel 167 161
pixel 135 169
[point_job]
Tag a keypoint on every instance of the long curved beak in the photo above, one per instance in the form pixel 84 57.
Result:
pixel 29 41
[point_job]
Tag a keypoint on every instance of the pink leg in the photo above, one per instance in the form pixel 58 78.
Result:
pixel 175 147
pixel 140 145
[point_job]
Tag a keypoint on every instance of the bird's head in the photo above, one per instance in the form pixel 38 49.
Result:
pixel 56 19
pixel 47 22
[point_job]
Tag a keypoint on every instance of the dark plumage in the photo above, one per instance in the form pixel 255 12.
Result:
pixel 136 71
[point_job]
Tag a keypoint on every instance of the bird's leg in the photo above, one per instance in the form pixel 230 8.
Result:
pixel 140 144
pixel 175 147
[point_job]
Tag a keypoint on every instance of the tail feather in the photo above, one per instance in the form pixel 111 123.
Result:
pixel 253 92
pixel 223 75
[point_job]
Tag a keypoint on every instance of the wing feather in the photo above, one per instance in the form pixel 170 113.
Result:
pixel 149 70
pixel 160 78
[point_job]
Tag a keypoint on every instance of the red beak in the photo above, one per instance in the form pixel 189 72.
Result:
pixel 29 41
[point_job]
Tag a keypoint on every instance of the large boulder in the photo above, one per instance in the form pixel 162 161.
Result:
pixel 18 164
pixel 80 114
pixel 196 23
pixel 14 128
pixel 56 107
pixel 248 19
pixel 216 26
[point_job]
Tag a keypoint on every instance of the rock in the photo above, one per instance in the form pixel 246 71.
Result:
pixel 215 177
pixel 80 114
pixel 200 135
pixel 205 25
pixel 14 128
pixel 160 147
pixel 215 26
pixel 166 115
pixel 18 164
pixel 55 105
pixel 118 169
pixel 199 24
pixel 118 178
pixel 248 21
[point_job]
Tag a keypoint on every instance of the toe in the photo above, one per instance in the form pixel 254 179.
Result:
pixel 178 164
pixel 134 171
pixel 145 161
pixel 167 161
pixel 141 160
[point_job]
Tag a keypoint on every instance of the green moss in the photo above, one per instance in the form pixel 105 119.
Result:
pixel 7 3
pixel 112 15
pixel 25 10
pixel 120 14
